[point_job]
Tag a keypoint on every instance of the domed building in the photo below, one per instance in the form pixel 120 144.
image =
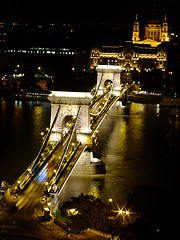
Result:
pixel 155 31
pixel 140 54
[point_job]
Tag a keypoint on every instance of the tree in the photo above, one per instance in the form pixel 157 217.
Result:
pixel 86 211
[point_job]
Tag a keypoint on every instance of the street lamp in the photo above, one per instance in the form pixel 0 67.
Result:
pixel 46 191
pixel 120 211
pixel 110 201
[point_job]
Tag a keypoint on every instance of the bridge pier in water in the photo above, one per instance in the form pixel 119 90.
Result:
pixel 69 104
pixel 106 74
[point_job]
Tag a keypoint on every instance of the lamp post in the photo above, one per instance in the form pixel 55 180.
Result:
pixel 110 202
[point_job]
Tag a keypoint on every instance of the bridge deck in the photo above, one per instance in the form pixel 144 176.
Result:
pixel 55 162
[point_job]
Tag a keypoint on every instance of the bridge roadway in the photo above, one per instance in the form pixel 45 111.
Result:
pixel 52 161
pixel 33 187
pixel 54 165
pixel 44 168
pixel 53 157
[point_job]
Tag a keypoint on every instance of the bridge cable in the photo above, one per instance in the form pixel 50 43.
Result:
pixel 72 168
pixel 43 145
pixel 47 137
pixel 110 92
pixel 97 88
pixel 67 146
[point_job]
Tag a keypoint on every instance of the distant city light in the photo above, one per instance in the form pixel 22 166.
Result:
pixel 39 50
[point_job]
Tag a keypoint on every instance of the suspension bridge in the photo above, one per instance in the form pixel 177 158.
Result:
pixel 68 144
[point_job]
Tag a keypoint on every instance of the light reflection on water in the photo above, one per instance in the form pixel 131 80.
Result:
pixel 139 147
pixel 20 126
pixel 136 152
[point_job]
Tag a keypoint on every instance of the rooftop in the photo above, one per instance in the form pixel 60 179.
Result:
pixel 138 48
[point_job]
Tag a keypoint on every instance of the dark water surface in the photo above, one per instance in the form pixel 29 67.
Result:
pixel 139 146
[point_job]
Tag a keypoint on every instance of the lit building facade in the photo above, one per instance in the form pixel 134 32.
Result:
pixel 130 58
pixel 147 54
pixel 155 32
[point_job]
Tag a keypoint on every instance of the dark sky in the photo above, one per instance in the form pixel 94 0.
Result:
pixel 111 10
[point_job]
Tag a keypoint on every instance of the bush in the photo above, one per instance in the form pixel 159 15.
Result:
pixel 88 212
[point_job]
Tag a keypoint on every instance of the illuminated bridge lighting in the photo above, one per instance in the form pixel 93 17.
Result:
pixel 61 151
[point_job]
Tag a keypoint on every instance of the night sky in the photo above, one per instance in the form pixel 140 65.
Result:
pixel 80 11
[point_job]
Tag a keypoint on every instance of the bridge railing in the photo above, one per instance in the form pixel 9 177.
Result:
pixel 97 120
pixel 30 171
pixel 68 167
pixel 68 143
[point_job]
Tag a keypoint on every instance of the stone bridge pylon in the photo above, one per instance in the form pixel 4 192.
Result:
pixel 69 104
pixel 108 74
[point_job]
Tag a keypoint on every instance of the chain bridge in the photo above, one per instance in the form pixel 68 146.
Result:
pixel 70 140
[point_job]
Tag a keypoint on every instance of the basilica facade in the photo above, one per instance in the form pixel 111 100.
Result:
pixel 155 32
pixel 140 54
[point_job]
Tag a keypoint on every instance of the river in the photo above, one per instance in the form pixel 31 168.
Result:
pixel 139 145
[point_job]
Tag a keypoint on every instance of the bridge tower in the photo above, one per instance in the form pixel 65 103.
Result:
pixel 69 104
pixel 106 74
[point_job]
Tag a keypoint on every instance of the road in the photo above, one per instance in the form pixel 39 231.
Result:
pixel 21 217
pixel 22 220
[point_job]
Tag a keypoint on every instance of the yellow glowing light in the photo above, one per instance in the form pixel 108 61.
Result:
pixel 110 200
pixel 120 211
pixel 46 209
pixel 71 94
pixel 72 211
pixel 127 212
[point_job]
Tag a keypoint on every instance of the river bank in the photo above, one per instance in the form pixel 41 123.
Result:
pixel 145 97
pixel 20 95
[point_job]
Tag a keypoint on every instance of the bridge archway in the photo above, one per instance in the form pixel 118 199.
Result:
pixel 109 73
pixel 70 103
